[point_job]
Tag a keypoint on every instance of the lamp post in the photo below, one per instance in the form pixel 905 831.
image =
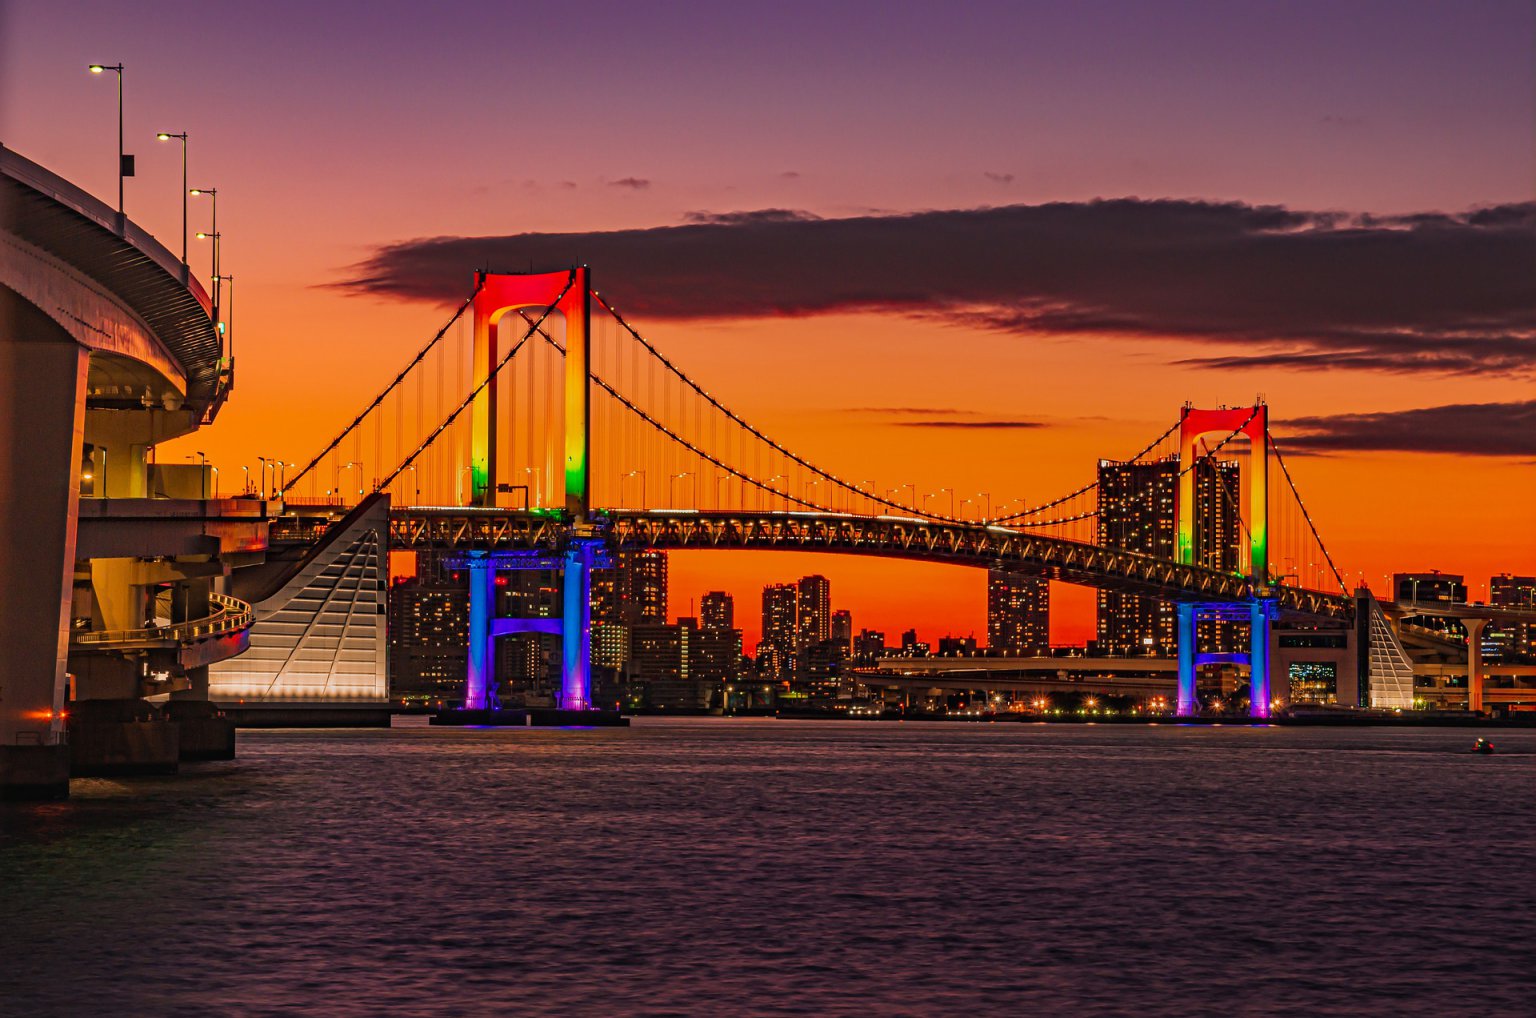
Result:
pixel 124 162
pixel 182 137
pixel 202 470
pixel 245 482
pixel 228 325
pixel 263 477
pixel 213 231
pixel 641 475
pixel 672 488
pixel 215 236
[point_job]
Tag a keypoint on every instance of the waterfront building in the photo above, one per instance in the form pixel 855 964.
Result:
pixel 427 623
pixel 660 662
pixel 1018 614
pixel 1513 641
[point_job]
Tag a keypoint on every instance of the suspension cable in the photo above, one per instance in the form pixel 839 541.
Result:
pixel 479 388
pixel 653 422
pixel 1285 471
pixel 1036 510
pixel 758 434
pixel 479 283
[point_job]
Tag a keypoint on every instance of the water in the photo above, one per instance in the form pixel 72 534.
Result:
pixel 723 867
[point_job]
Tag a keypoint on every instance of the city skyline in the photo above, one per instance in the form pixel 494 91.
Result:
pixel 1366 138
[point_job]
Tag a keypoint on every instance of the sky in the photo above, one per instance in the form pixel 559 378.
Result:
pixel 1064 220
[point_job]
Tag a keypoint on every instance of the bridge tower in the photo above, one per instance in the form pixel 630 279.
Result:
pixel 1258 611
pixel 570 293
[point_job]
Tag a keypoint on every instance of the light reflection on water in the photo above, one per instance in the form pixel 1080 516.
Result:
pixel 776 867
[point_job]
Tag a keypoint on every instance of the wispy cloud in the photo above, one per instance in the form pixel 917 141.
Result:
pixel 994 425
pixel 633 183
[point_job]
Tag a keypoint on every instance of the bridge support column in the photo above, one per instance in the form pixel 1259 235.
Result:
pixel 482 605
pixel 576 627
pixel 42 426
pixel 1258 659
pixel 1475 663
pixel 1188 701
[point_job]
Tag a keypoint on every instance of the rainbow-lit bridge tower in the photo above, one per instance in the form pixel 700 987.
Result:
pixel 1258 610
pixel 567 293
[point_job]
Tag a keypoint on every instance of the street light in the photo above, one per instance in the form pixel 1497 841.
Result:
pixel 641 475
pixel 182 137
pixel 124 162
pixel 263 478
pixel 213 231
pixel 202 470
pixel 672 487
pixel 228 325
pixel 214 236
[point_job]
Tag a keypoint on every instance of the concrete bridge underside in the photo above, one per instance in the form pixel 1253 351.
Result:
pixel 101 331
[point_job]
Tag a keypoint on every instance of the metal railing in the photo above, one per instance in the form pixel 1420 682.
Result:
pixel 230 615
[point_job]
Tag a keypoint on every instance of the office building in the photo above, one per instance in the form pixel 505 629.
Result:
pixel 1018 614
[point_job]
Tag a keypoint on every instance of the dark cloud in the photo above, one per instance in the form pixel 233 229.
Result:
pixel 998 178
pixel 1432 292
pixel 790 175
pixel 1470 429
pixel 633 183
pixel 755 217
pixel 952 423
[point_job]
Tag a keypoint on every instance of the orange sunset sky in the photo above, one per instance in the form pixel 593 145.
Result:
pixel 334 131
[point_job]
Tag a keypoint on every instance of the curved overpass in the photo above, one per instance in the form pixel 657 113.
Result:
pixel 71 261
pixel 986 547
pixel 107 347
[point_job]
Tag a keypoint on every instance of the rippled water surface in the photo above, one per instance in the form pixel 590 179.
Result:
pixel 725 867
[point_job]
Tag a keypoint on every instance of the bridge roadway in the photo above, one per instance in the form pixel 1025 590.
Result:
pixel 976 545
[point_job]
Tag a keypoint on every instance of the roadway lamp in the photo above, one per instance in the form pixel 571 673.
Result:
pixel 213 231
pixel 180 136
pixel 124 162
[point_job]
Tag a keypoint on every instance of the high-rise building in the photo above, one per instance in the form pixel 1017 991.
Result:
pixel 779 629
pixel 813 611
pixel 1513 640
pixel 1018 614
pixel 717 610
pixel 633 591
pixel 841 630
pixel 428 622
pixel 1138 511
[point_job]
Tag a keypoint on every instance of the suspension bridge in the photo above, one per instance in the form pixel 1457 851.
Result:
pixel 538 428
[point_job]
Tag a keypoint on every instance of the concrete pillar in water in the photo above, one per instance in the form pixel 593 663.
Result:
pixel 576 628
pixel 482 606
pixel 42 415
pixel 1188 703
pixel 1258 659
pixel 1475 663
